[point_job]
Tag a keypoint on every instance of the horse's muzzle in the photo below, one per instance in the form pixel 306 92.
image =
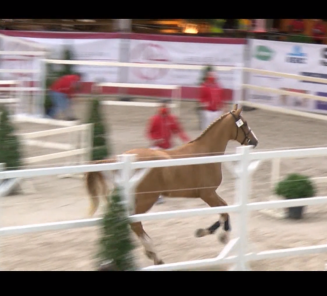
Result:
pixel 253 143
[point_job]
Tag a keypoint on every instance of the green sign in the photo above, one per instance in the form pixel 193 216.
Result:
pixel 263 53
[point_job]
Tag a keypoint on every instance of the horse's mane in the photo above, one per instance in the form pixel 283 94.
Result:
pixel 210 127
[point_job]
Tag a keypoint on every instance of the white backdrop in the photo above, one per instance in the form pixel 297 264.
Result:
pixel 293 58
pixel 188 53
pixel 18 61
pixel 144 51
pixel 87 49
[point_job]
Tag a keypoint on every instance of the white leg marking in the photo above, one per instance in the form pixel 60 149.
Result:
pixel 147 244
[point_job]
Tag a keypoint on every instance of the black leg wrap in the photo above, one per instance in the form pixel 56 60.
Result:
pixel 214 227
pixel 227 225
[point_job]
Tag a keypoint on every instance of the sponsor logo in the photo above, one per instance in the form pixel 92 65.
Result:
pixel 294 100
pixel 323 54
pixel 267 77
pixel 264 76
pixel 149 53
pixel 263 53
pixel 321 105
pixel 261 97
pixel 311 74
pixel 297 56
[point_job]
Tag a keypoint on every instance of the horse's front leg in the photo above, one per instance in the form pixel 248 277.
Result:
pixel 214 200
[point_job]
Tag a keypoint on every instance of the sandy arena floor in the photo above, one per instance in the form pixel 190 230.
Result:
pixel 65 199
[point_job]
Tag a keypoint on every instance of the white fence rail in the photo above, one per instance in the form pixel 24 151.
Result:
pixel 244 156
pixel 276 162
pixel 80 143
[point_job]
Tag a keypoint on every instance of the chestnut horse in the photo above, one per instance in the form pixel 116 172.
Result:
pixel 189 181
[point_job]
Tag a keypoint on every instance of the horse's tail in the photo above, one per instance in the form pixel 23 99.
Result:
pixel 97 186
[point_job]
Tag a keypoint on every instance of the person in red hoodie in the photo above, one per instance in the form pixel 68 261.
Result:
pixel 61 92
pixel 297 26
pixel 162 126
pixel 318 31
pixel 211 100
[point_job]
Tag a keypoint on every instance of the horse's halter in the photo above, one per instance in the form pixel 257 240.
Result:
pixel 239 123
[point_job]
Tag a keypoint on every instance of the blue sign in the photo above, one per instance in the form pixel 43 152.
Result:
pixel 297 56
pixel 321 105
pixel 311 74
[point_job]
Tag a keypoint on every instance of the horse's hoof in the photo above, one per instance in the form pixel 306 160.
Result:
pixel 224 238
pixel 200 232
pixel 160 262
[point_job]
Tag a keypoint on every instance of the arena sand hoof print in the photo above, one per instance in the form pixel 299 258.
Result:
pixel 224 237
pixel 201 232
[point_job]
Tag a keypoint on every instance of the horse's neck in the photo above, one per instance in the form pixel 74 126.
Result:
pixel 213 142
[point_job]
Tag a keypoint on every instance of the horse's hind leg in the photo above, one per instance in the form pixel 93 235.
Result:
pixel 214 200
pixel 146 241
pixel 143 204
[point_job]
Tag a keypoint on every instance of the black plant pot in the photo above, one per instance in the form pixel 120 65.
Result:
pixel 295 212
pixel 47 110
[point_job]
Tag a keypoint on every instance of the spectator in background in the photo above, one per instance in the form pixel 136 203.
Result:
pixel 318 31
pixel 61 94
pixel 161 128
pixel 211 100
pixel 244 24
pixel 297 26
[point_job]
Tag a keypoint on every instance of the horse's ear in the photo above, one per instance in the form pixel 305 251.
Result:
pixel 238 111
pixel 235 107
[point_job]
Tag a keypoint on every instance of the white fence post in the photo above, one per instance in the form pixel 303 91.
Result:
pixel 2 168
pixel 42 85
pixel 242 195
pixel 275 171
pixel 238 83
pixel 125 181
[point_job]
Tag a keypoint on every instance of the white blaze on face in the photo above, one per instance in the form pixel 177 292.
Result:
pixel 253 134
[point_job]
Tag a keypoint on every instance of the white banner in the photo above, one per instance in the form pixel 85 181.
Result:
pixel 18 61
pixel 147 51
pixel 86 49
pixel 293 58
pixel 186 53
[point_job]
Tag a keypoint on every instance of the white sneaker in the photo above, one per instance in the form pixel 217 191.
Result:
pixel 160 200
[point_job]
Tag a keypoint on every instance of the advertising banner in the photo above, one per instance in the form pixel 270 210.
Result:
pixel 292 58
pixel 18 61
pixel 86 49
pixel 184 53
pixel 150 49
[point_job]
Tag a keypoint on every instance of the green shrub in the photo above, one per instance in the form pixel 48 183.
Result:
pixel 204 73
pixel 101 149
pixel 116 243
pixel 10 146
pixel 295 186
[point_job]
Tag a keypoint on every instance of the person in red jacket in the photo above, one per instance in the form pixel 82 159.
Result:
pixel 162 126
pixel 61 92
pixel 318 31
pixel 211 100
pixel 297 26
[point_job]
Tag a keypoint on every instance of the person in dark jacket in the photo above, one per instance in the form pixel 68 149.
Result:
pixel 61 94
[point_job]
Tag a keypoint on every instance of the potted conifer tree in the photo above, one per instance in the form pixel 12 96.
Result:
pixel 10 151
pixel 295 186
pixel 116 244
pixel 101 149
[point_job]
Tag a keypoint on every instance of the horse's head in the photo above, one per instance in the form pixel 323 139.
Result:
pixel 242 132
